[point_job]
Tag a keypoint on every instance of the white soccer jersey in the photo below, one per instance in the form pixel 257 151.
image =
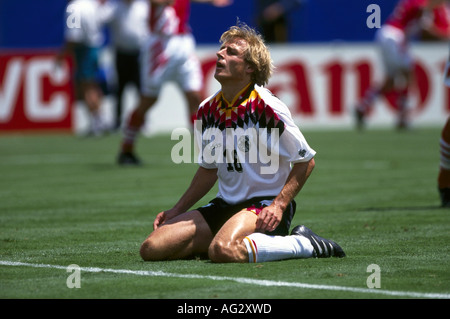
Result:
pixel 84 23
pixel 252 142
pixel 128 22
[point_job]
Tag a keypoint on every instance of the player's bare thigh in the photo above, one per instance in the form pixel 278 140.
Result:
pixel 178 238
pixel 228 244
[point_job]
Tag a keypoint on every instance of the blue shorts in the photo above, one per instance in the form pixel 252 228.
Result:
pixel 217 212
pixel 86 63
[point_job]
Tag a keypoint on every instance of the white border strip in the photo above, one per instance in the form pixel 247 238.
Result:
pixel 267 283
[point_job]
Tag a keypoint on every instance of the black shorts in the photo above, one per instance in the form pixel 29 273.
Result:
pixel 217 212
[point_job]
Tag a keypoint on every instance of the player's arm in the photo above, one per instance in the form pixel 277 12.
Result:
pixel 201 184
pixel 270 216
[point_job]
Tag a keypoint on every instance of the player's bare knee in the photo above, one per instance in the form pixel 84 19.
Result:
pixel 222 252
pixel 217 252
pixel 145 251
pixel 149 251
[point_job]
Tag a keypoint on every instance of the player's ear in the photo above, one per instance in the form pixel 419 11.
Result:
pixel 249 68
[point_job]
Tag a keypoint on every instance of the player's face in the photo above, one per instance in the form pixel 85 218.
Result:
pixel 231 65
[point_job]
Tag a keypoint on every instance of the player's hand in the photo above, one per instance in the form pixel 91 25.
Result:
pixel 163 217
pixel 268 219
pixel 159 220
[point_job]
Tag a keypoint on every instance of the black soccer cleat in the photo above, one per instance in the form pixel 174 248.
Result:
pixel 128 159
pixel 360 118
pixel 323 248
pixel 445 196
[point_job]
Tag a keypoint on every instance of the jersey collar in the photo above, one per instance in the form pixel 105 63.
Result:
pixel 241 96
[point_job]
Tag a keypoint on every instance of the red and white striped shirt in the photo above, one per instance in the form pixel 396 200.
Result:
pixel 170 19
pixel 408 16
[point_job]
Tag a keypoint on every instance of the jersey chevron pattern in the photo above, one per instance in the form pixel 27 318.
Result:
pixel 256 160
pixel 248 109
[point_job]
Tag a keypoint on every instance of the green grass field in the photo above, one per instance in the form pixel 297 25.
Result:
pixel 64 201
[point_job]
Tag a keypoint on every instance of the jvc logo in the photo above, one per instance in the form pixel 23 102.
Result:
pixel 34 92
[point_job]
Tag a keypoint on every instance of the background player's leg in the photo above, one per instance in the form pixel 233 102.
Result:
pixel 92 96
pixel 132 128
pixel 444 167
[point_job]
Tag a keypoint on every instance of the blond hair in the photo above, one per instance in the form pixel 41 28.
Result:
pixel 257 54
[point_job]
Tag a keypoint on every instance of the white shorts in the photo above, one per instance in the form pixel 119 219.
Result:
pixel 394 51
pixel 170 59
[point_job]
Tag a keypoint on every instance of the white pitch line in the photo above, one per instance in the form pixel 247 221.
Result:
pixel 249 281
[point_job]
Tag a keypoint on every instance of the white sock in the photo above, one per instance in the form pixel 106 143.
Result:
pixel 368 99
pixel 96 124
pixel 262 247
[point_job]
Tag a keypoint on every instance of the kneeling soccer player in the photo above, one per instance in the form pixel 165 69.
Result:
pixel 249 220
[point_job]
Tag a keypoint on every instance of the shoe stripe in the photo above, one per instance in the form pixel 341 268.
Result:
pixel 321 247
pixel 332 252
pixel 316 246
pixel 325 249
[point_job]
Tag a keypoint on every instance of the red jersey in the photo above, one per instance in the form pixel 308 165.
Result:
pixel 408 14
pixel 441 21
pixel 170 20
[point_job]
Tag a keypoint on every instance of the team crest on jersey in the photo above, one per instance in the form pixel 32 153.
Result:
pixel 302 152
pixel 244 143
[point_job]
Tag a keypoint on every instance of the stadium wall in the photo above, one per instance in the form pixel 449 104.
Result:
pixel 320 83
pixel 329 61
pixel 39 23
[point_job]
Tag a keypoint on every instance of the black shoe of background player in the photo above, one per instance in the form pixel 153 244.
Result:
pixel 128 159
pixel 445 196
pixel 360 118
